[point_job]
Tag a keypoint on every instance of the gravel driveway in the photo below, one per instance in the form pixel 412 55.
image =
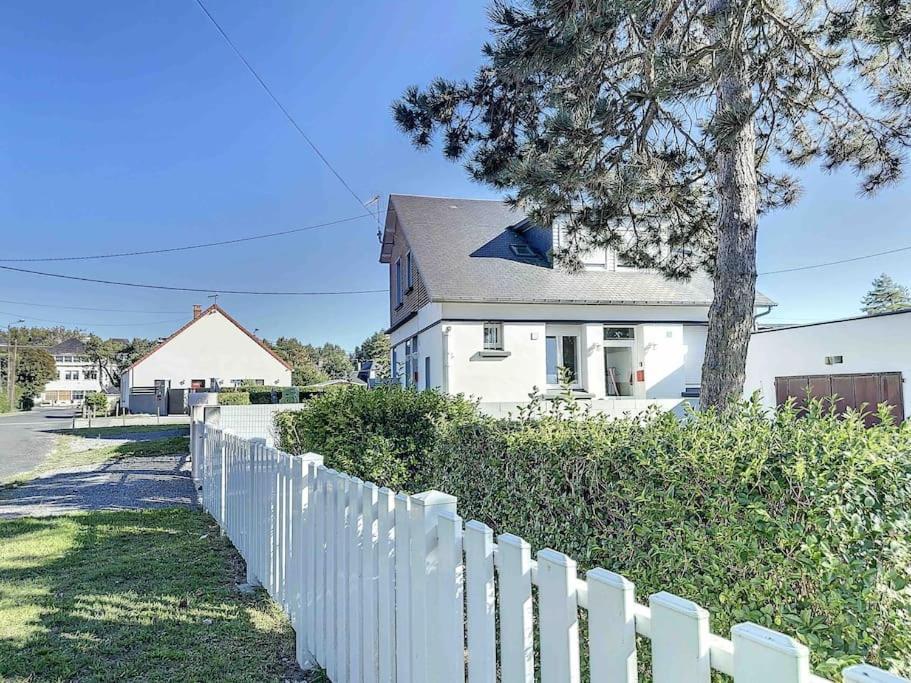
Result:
pixel 127 484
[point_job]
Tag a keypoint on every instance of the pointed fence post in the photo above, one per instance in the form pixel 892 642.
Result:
pixel 425 510
pixel 305 471
pixel 386 584
pixel 864 673
pixel 611 628
pixel 517 652
pixel 450 665
pixel 680 640
pixel 761 654
pixel 480 602
pixel 558 616
pixel 402 588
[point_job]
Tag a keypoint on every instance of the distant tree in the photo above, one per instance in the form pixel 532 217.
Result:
pixel 34 369
pixel 307 375
pixel 334 361
pixel 660 128
pixel 42 336
pixel 377 347
pixel 885 295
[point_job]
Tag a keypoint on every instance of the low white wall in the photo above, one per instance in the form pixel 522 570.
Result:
pixel 871 344
pixel 609 407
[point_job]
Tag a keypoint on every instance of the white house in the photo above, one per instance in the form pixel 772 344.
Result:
pixel 477 306
pixel 76 375
pixel 210 351
pixel 866 359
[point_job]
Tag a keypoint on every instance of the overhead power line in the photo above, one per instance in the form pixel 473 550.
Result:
pixel 88 308
pixel 186 247
pixel 835 263
pixel 281 107
pixel 206 290
pixel 72 324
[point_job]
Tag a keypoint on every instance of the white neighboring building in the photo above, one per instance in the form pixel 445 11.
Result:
pixel 478 307
pixel 866 359
pixel 76 375
pixel 210 351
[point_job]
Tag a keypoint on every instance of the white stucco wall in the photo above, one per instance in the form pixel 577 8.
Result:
pixel 212 347
pixel 667 347
pixel 874 344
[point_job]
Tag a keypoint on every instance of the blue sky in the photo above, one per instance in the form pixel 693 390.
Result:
pixel 132 126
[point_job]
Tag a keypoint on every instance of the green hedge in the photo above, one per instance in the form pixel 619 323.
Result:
pixel 381 435
pixel 802 524
pixel 97 400
pixel 234 398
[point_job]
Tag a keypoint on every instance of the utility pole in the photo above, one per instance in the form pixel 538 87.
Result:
pixel 11 364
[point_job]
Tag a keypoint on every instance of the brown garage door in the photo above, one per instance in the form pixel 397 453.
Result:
pixel 852 391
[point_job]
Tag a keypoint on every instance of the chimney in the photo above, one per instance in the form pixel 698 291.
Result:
pixel 197 311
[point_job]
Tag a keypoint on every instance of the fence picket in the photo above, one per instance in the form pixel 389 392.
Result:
pixel 369 569
pixel 403 588
pixel 611 628
pixel 379 587
pixel 479 598
pixel 558 617
pixel 386 585
pixel 355 632
pixel 337 612
pixel 517 657
pixel 450 666
pixel 761 655
pixel 680 640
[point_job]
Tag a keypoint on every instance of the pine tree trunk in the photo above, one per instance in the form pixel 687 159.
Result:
pixel 732 309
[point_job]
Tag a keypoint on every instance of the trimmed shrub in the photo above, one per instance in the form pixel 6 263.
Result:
pixel 383 435
pixel 800 524
pixel 290 395
pixel 234 398
pixel 261 394
pixel 98 401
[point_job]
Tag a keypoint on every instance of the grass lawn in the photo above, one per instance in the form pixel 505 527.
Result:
pixel 149 596
pixel 78 451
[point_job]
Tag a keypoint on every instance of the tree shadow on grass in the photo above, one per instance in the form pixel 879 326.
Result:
pixel 147 595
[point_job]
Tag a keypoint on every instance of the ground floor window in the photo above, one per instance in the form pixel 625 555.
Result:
pixel 562 352
pixel 78 395
pixel 411 362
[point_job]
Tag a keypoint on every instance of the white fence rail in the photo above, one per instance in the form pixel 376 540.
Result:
pixel 384 587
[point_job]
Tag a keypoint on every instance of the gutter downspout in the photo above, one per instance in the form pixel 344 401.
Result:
pixel 759 315
pixel 445 383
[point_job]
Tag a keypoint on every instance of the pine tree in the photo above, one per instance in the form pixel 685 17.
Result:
pixel 885 295
pixel 660 128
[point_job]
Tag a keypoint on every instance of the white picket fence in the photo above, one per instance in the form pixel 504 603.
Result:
pixel 384 587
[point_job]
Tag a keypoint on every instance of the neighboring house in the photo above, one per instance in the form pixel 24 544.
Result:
pixel 477 306
pixel 212 350
pixel 76 375
pixel 866 359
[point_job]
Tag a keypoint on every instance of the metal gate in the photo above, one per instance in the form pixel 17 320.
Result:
pixel 851 391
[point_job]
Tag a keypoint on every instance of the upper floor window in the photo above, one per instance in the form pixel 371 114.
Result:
pixel 398 282
pixel 409 270
pixel 90 374
pixel 493 336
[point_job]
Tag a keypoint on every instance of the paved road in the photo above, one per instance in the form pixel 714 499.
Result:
pixel 26 438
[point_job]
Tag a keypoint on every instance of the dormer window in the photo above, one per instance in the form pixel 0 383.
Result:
pixel 522 250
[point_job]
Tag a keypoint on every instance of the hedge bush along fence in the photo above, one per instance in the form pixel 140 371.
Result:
pixel 798 523
pixel 234 398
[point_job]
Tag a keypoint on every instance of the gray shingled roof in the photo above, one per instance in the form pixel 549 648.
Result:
pixel 69 346
pixel 462 249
